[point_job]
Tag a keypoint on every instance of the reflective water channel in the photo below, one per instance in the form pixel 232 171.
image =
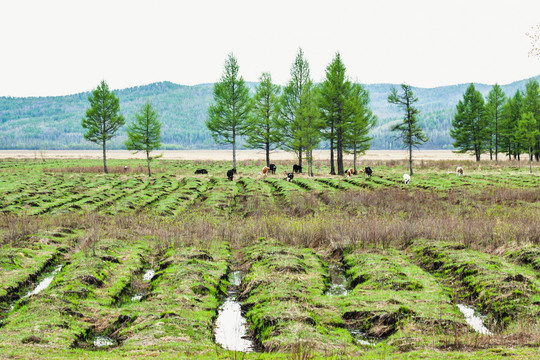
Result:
pixel 104 341
pixel 231 329
pixel 473 319
pixel 338 281
pixel 147 276
pixel 42 285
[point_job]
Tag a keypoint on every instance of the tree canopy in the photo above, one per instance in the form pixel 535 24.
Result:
pixel 408 130
pixel 102 119
pixel 470 126
pixel 229 112
pixel 144 134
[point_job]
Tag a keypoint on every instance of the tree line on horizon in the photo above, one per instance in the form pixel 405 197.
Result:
pixel 499 124
pixel 298 116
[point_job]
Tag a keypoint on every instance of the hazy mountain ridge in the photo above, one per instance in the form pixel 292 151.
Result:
pixel 55 122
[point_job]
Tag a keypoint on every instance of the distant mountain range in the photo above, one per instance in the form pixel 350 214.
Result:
pixel 55 122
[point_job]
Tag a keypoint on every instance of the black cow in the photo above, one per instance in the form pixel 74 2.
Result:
pixel 272 168
pixel 201 171
pixel 230 174
pixel 296 168
pixel 290 176
pixel 368 171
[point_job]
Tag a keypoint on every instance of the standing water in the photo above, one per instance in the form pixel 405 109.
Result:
pixel 338 281
pixel 43 284
pixel 473 320
pixel 147 276
pixel 231 326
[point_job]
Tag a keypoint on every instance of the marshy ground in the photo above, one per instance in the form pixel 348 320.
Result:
pixel 122 265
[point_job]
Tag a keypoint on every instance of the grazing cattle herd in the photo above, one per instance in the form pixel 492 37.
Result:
pixel 289 176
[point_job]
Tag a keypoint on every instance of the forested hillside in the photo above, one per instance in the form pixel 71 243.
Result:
pixel 55 122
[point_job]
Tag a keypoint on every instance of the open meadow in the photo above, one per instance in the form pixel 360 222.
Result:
pixel 127 266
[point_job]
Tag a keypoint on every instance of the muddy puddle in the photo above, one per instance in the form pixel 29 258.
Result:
pixel 231 330
pixel 338 281
pixel 474 319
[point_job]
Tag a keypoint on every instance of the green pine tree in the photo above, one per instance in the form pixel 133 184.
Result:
pixel 494 106
pixel 144 134
pixel 232 104
pixel 531 103
pixel 333 104
pixel 309 130
pixel 290 121
pixel 262 122
pixel 408 130
pixel 102 119
pixel 470 126
pixel 527 133
pixel 511 114
pixel 362 120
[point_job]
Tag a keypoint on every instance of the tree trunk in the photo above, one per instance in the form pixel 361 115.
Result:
pixel 267 153
pixel 148 163
pixel 234 149
pixel 490 149
pixel 530 159
pixel 105 157
pixel 496 138
pixel 339 149
pixel 300 158
pixel 332 168
pixel 410 159
pixel 354 158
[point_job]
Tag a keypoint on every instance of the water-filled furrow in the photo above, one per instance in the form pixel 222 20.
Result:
pixel 231 330
pixel 147 277
pixel 360 338
pixel 338 280
pixel 44 283
pixel 473 319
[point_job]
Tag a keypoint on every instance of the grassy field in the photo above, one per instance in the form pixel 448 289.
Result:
pixel 144 262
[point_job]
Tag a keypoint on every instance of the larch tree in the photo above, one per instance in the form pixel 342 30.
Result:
pixel 361 121
pixel 494 106
pixel 511 114
pixel 527 134
pixel 408 130
pixel 262 122
pixel 311 123
pixel 227 116
pixel 531 104
pixel 334 93
pixel 144 133
pixel 102 119
pixel 470 126
pixel 290 121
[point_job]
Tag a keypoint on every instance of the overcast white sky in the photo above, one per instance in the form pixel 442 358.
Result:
pixel 58 47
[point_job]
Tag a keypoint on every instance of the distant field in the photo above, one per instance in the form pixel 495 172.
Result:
pixel 331 267
pixel 225 155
